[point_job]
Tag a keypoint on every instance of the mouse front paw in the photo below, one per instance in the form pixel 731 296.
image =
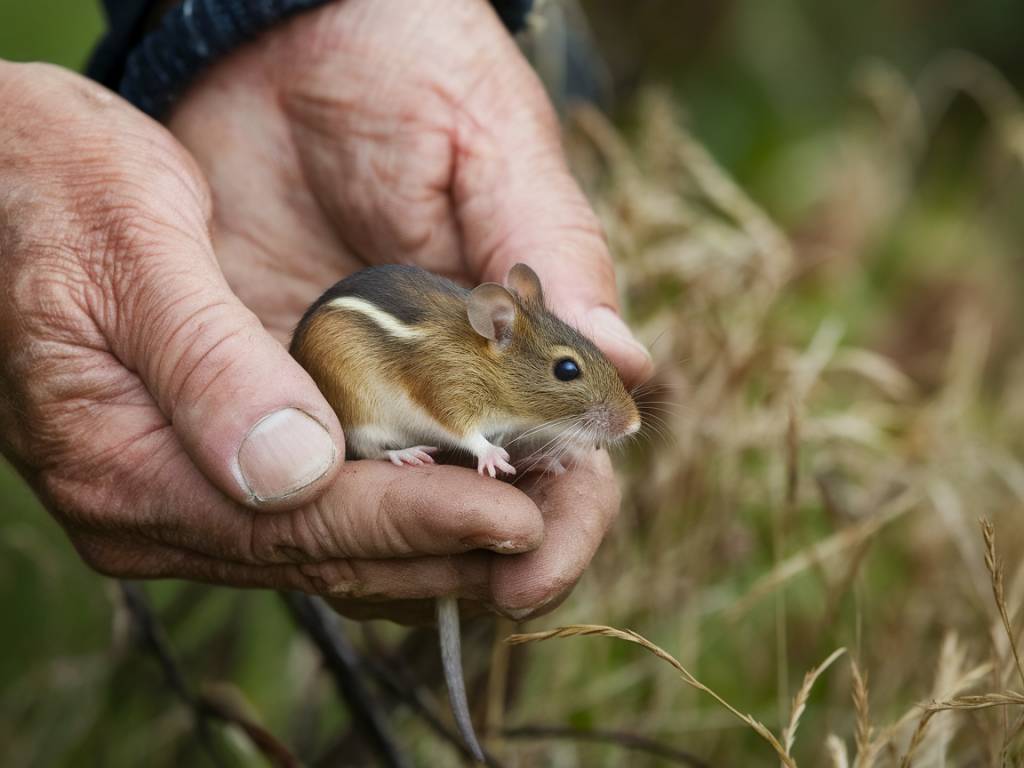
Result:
pixel 492 459
pixel 416 456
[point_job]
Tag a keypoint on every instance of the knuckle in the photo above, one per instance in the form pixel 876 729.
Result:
pixel 387 531
pixel 320 533
pixel 337 578
pixel 308 535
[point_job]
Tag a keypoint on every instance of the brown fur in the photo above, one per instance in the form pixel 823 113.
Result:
pixel 460 378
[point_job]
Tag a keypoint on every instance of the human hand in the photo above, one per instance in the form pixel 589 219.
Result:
pixel 409 131
pixel 135 387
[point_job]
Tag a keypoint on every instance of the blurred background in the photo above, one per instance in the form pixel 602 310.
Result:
pixel 816 208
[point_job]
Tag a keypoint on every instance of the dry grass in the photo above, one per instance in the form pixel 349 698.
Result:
pixel 842 399
pixel 811 476
pixel 783 745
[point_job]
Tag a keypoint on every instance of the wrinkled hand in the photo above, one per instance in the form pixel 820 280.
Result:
pixel 409 131
pixel 156 414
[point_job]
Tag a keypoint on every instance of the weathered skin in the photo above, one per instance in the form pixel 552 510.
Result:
pixel 151 276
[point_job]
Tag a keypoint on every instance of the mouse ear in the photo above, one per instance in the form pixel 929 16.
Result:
pixel 491 311
pixel 525 282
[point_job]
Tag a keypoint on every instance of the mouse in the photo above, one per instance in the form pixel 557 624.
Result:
pixel 413 363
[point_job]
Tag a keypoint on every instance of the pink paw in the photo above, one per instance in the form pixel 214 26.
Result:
pixel 492 459
pixel 416 456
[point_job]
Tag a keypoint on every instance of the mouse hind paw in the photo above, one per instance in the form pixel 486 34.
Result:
pixel 416 456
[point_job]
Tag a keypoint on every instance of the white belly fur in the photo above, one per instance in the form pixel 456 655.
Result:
pixel 397 422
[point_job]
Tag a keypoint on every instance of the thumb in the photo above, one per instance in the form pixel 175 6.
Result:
pixel 249 416
pixel 517 202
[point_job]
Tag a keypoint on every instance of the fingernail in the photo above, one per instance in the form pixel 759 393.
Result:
pixel 284 453
pixel 606 322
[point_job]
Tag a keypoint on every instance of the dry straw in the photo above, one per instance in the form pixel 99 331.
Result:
pixel 783 746
pixel 820 455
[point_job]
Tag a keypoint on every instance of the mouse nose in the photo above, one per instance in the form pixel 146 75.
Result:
pixel 615 422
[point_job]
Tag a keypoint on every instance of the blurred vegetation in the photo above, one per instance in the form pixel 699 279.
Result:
pixel 58 31
pixel 831 293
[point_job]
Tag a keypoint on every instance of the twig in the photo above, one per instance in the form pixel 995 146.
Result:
pixel 269 745
pixel 324 629
pixel 204 707
pixel 153 639
pixel 622 739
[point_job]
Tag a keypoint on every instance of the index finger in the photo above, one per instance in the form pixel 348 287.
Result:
pixel 371 510
pixel 377 510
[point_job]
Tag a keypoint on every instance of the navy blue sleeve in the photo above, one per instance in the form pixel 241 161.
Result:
pixel 127 26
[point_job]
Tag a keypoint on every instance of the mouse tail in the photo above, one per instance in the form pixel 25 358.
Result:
pixel 451 660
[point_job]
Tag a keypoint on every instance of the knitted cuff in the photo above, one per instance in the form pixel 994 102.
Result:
pixel 196 33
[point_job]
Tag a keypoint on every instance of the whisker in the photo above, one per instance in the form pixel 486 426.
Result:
pixel 545 425
pixel 546 450
pixel 554 449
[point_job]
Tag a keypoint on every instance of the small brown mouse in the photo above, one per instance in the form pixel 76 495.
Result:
pixel 412 362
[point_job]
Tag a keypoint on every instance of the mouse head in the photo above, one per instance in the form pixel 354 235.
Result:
pixel 549 370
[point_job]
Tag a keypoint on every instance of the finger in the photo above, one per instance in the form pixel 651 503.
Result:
pixel 423 578
pixel 371 509
pixel 487 178
pixel 517 202
pixel 250 418
pixel 578 508
pixel 377 510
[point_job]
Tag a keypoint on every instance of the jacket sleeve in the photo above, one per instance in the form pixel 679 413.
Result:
pixel 127 24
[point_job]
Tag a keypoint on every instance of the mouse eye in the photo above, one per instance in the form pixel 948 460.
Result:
pixel 566 369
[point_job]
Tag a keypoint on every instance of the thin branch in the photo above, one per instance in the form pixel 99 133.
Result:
pixel 152 639
pixel 204 708
pixel 268 744
pixel 323 627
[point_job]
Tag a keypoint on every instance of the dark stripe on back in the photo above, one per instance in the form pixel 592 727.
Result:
pixel 397 289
